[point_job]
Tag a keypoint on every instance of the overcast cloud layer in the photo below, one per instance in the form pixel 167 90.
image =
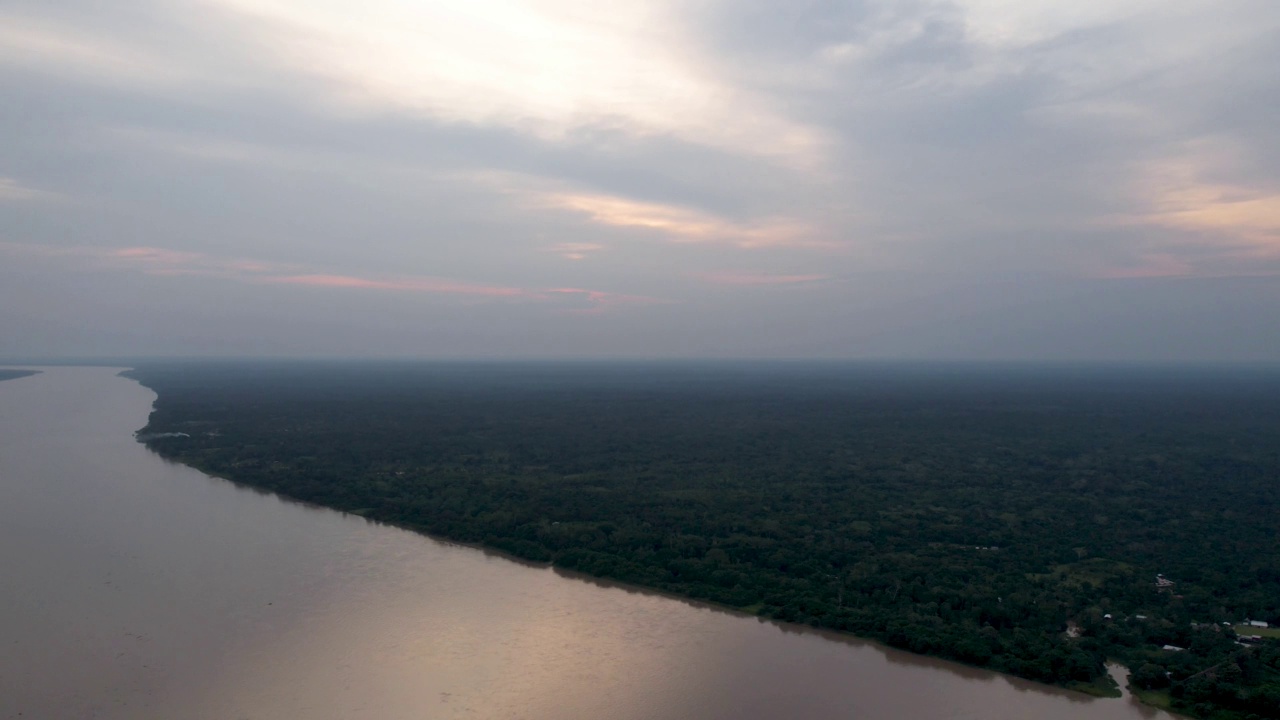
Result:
pixel 1020 179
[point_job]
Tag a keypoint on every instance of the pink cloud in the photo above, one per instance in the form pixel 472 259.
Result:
pixel 151 253
pixel 164 262
pixel 161 261
pixel 750 278
pixel 414 284
pixel 1149 266
pixel 574 250
pixel 682 224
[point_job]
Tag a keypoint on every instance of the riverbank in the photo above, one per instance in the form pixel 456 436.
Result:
pixel 698 494
pixel 14 374
pixel 1103 687
pixel 305 612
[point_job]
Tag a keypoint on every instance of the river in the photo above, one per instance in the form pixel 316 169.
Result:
pixel 131 587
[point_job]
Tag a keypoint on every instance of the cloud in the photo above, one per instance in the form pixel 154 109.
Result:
pixel 162 261
pixel 1194 216
pixel 36 43
pixel 594 302
pixel 409 284
pixel 13 191
pixel 169 263
pixel 1160 265
pixel 150 260
pixel 1021 23
pixel 546 66
pixel 574 250
pixel 1182 194
pixel 400 154
pixel 752 278
pixel 679 224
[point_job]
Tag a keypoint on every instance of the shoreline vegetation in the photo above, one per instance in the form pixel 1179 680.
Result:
pixel 14 374
pixel 1014 523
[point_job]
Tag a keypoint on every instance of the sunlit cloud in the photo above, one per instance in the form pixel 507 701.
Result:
pixel 547 67
pixel 680 224
pixel 574 250
pixel 169 263
pixel 1212 221
pixel 668 221
pixel 1240 216
pixel 751 278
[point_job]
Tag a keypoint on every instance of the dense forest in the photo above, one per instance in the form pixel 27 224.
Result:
pixel 1035 520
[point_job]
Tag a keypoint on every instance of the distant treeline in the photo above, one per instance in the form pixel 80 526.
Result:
pixel 1008 517
pixel 6 374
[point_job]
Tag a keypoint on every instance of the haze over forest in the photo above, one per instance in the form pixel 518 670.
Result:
pixel 949 179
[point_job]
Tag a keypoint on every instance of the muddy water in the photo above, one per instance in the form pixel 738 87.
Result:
pixel 134 588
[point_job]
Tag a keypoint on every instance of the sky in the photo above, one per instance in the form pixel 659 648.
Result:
pixel 923 179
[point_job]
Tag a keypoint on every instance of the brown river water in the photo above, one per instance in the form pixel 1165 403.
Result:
pixel 134 588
